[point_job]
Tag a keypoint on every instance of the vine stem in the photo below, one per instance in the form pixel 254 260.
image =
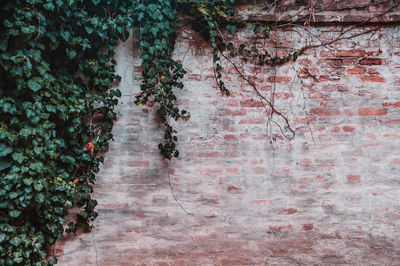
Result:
pixel 172 192
pixel 263 98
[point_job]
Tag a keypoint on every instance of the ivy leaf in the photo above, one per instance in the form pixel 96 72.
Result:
pixel 13 195
pixel 65 35
pixel 5 150
pixel 2 237
pixel 51 108
pixel 3 44
pixel 89 30
pixel 39 197
pixel 154 30
pixel 14 213
pixel 25 132
pixel 28 181
pixel 49 6
pixel 231 28
pixel 18 156
pixel 16 241
pixel 71 53
pixel 33 85
pixel 38 186
pixel 5 165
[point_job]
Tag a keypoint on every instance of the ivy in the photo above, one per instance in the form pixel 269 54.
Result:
pixel 55 75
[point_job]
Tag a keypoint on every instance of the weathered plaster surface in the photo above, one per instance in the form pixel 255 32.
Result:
pixel 329 196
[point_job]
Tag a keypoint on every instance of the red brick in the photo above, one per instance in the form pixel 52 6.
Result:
pixel 371 61
pixel 230 137
pixel 193 77
pixel 260 137
pixel 305 121
pixel 336 129
pixel 308 227
pixel 329 252
pixel 350 53
pixel 230 188
pixel 232 170
pixel 372 79
pixel 283 95
pixel 139 163
pixel 279 79
pixel 240 112
pixel 138 69
pixel 327 53
pixel 278 228
pixel 348 112
pixel 261 201
pixel 356 71
pixel 332 62
pixel 391 105
pixel 251 103
pixel 140 214
pixel 209 171
pixel 324 112
pixel 253 121
pixel 348 129
pixel 232 103
pixel 258 170
pixel 353 178
pixel 288 211
pixel 306 161
pixel 366 112
pixel 373 72
pixel 208 154
pixel 284 170
pixel 394 135
pixel 305 62
pixel 396 161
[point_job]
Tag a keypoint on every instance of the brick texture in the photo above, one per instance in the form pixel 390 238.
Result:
pixel 329 196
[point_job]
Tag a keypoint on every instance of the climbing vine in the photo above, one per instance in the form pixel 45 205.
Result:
pixel 56 110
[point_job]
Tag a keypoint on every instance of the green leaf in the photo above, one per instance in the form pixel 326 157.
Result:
pixel 49 6
pixel 154 30
pixel 51 108
pixel 39 197
pixel 4 165
pixel 13 195
pixel 5 150
pixel 17 259
pixel 18 156
pixel 16 241
pixel 38 186
pixel 14 213
pixel 66 35
pixel 2 237
pixel 25 132
pixel 33 85
pixel 28 181
pixel 231 28
pixel 89 30
pixel 71 53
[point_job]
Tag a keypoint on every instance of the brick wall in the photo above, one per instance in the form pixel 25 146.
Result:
pixel 329 196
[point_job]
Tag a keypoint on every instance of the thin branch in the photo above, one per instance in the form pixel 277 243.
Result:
pixel 263 98
pixel 172 192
